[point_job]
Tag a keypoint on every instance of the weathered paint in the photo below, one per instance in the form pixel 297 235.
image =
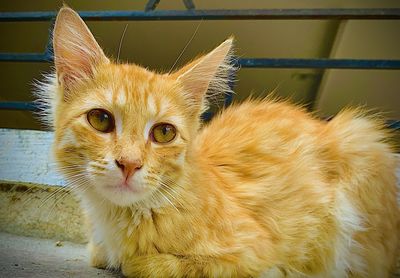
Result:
pixel 25 156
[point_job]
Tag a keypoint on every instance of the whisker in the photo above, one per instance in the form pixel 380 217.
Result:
pixel 26 192
pixel 172 195
pixel 58 200
pixel 121 40
pixel 169 201
pixel 174 198
pixel 30 198
pixel 186 46
pixel 74 179
pixel 77 182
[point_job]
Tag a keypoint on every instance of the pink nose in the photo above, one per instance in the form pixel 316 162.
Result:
pixel 128 167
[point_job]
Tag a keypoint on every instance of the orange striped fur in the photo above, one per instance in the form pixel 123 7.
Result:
pixel 263 190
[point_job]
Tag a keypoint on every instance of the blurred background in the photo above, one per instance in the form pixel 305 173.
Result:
pixel 157 44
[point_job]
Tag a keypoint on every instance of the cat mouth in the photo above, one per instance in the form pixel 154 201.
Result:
pixel 124 187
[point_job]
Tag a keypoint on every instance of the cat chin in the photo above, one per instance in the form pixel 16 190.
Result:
pixel 122 197
pixel 125 195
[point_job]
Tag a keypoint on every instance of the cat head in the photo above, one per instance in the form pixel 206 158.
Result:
pixel 122 131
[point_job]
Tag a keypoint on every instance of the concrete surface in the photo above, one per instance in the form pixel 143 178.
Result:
pixel 40 211
pixel 26 257
pixel 31 257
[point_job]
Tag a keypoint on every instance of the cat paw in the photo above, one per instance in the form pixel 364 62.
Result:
pixel 97 257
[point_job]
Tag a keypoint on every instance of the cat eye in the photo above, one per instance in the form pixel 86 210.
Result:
pixel 163 133
pixel 101 120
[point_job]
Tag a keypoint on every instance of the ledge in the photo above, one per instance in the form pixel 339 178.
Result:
pixel 40 211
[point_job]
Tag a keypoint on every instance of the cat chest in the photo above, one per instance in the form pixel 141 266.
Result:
pixel 135 235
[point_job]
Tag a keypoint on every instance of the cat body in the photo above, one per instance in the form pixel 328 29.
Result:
pixel 249 205
pixel 263 190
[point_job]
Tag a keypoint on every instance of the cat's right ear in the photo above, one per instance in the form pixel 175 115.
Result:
pixel 76 52
pixel 207 77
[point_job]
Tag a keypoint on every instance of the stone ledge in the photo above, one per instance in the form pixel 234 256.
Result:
pixel 40 211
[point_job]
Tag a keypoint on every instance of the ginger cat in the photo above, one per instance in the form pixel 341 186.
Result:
pixel 263 190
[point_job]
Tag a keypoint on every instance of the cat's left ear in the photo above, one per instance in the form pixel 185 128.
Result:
pixel 76 52
pixel 208 76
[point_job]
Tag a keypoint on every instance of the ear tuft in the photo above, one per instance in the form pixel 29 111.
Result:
pixel 76 52
pixel 208 77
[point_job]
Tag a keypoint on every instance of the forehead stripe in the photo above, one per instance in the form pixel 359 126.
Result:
pixel 121 98
pixel 151 105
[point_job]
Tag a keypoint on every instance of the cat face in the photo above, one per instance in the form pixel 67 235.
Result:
pixel 121 131
pixel 127 135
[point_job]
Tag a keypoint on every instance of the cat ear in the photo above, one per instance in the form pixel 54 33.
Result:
pixel 76 52
pixel 208 76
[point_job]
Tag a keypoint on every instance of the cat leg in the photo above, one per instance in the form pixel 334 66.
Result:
pixel 97 255
pixel 168 265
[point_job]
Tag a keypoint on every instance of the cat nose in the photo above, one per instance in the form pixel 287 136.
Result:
pixel 128 167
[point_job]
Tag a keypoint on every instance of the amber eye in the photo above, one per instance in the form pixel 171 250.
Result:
pixel 101 120
pixel 163 133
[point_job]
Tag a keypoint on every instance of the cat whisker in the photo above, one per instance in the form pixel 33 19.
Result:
pixel 186 46
pixel 169 201
pixel 166 188
pixel 77 182
pixel 121 41
pixel 26 192
pixel 61 189
pixel 64 194
pixel 51 195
